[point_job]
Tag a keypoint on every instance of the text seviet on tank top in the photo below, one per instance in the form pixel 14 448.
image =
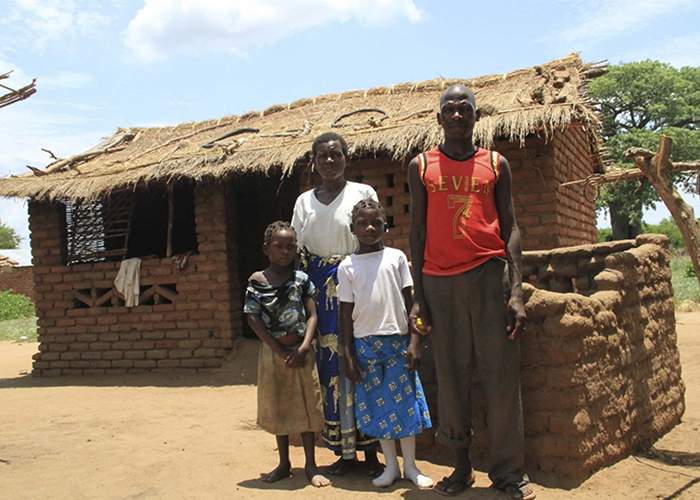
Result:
pixel 462 225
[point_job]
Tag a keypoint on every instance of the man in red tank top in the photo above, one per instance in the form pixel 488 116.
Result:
pixel 466 253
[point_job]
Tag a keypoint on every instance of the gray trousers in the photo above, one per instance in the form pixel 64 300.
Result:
pixel 469 330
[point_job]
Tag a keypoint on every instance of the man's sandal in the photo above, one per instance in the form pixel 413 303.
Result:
pixel 449 487
pixel 516 492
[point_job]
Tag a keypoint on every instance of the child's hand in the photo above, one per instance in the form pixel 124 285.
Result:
pixel 296 358
pixel 350 368
pixel 419 319
pixel 412 355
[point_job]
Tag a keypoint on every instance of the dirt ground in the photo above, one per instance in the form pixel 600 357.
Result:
pixel 194 436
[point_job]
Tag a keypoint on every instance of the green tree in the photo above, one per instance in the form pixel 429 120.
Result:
pixel 8 237
pixel 639 102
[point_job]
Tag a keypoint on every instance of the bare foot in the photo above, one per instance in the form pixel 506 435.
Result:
pixel 315 477
pixel 282 471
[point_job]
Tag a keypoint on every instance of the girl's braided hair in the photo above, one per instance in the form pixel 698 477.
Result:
pixel 370 204
pixel 272 228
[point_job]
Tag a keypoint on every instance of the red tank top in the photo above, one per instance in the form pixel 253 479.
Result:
pixel 462 226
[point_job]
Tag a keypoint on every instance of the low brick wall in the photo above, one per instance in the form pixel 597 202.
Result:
pixel 601 374
pixel 18 279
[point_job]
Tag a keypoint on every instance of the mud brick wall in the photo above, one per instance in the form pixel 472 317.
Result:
pixel 548 218
pixel 18 279
pixel 600 372
pixel 192 327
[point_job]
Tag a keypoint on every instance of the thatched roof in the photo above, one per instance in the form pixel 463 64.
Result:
pixel 7 262
pixel 396 121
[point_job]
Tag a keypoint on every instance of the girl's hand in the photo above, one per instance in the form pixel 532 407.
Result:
pixel 412 355
pixel 296 358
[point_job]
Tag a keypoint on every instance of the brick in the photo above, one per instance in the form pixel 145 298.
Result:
pixel 134 354
pixel 180 353
pixel 157 354
pixel 145 363
pixel 205 353
pixel 111 355
pixel 122 363
pixel 169 363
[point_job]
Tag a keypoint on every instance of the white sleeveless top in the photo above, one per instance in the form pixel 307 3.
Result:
pixel 324 230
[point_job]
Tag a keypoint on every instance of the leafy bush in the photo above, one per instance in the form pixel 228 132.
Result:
pixel 604 234
pixel 14 306
pixel 667 227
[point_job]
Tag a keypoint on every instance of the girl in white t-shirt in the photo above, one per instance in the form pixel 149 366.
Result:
pixel 374 290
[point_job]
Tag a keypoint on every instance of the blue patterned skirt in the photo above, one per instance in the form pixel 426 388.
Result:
pixel 389 401
pixel 339 431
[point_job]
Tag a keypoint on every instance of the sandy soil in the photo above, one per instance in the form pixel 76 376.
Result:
pixel 194 436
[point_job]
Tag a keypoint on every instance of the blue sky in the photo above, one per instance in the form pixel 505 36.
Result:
pixel 119 63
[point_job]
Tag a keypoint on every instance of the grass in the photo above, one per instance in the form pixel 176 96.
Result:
pixel 685 287
pixel 15 306
pixel 13 330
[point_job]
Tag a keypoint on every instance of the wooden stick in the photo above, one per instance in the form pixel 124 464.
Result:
pixel 682 213
pixel 631 174
pixel 171 216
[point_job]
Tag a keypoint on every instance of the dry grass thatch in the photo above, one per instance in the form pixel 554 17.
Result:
pixel 7 262
pixel 395 121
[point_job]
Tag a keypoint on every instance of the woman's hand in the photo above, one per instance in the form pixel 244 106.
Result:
pixel 350 368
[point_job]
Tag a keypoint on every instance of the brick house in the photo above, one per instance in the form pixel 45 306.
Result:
pixel 192 201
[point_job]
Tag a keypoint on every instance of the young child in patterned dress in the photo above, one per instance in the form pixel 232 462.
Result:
pixel 280 309
pixel 374 290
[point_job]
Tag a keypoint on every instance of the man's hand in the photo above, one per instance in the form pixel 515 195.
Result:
pixel 296 358
pixel 350 368
pixel 413 354
pixel 419 318
pixel 516 317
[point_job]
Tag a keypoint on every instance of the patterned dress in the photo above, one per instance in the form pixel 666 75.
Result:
pixel 339 431
pixel 389 400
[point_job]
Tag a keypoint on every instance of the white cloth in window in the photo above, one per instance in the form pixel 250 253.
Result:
pixel 127 281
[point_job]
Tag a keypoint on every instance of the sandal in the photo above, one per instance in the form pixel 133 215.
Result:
pixel 449 487
pixel 341 467
pixel 519 492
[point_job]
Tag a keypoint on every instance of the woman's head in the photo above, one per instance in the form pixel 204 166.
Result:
pixel 329 153
pixel 280 243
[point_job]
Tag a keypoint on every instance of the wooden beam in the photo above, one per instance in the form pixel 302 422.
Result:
pixel 630 174
pixel 171 217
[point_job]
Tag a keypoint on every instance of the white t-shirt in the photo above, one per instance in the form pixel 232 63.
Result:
pixel 373 282
pixel 324 230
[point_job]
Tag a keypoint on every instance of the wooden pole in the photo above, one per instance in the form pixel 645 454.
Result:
pixel 654 168
pixel 171 217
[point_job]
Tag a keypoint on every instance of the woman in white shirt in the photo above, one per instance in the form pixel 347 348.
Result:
pixel 322 221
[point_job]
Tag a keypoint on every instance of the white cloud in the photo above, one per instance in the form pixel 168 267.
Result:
pixel 599 20
pixel 65 80
pixel 37 23
pixel 166 27
pixel 682 50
